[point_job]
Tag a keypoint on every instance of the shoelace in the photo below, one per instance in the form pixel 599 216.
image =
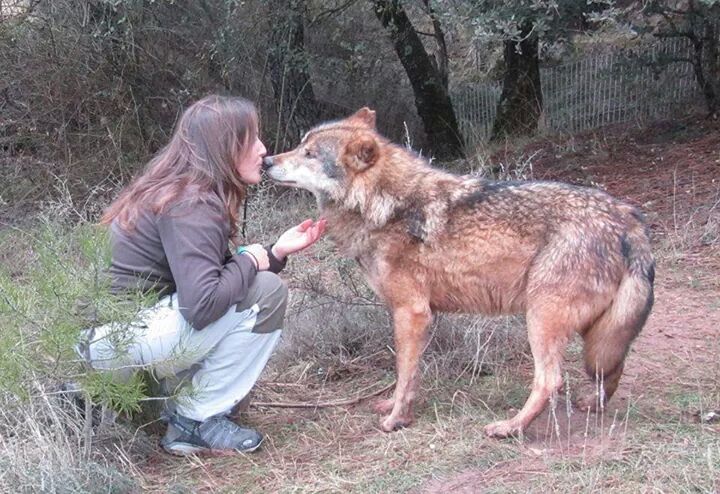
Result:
pixel 224 426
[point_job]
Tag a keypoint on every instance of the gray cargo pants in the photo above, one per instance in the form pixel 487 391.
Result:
pixel 206 372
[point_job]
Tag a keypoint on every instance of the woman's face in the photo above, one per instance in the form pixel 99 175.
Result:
pixel 249 164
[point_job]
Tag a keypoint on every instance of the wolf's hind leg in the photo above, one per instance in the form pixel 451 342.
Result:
pixel 411 323
pixel 549 331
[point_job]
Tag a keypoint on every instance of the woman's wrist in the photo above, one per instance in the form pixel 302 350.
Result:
pixel 244 251
pixel 279 254
pixel 277 263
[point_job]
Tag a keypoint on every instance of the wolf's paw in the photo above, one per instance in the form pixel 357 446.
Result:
pixel 589 403
pixel 383 407
pixel 390 423
pixel 503 428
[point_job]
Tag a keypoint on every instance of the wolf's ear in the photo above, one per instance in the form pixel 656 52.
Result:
pixel 361 153
pixel 364 116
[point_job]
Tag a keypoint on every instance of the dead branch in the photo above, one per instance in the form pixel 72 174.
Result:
pixel 326 404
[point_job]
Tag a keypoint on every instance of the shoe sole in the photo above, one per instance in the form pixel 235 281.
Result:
pixel 187 449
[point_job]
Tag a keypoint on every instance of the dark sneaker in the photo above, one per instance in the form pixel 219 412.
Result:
pixel 216 435
pixel 72 401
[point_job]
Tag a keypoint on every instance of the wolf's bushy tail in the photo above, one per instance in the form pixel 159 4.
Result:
pixel 607 341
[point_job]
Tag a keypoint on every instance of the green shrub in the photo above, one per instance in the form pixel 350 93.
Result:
pixel 53 286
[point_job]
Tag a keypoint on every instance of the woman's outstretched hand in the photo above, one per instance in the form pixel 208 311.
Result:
pixel 298 237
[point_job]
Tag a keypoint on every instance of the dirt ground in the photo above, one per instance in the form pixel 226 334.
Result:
pixel 650 433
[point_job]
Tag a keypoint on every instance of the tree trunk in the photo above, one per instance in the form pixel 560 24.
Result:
pixel 711 62
pixel 518 111
pixel 297 108
pixel 441 56
pixel 706 85
pixel 431 96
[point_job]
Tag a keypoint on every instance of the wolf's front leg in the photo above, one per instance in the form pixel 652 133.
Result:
pixel 411 323
pixel 548 332
pixel 384 406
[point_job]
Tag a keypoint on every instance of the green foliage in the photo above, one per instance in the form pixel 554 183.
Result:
pixel 496 20
pixel 119 395
pixel 56 289
pixel 666 18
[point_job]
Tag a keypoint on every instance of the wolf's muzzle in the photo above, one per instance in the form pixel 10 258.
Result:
pixel 267 163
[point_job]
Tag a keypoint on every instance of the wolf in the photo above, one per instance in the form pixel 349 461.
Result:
pixel 570 258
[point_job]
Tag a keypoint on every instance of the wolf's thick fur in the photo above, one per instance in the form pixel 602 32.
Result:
pixel 569 258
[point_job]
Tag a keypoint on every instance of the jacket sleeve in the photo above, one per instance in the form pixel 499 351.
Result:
pixel 195 239
pixel 275 264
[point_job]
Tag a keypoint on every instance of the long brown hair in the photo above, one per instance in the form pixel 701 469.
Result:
pixel 211 135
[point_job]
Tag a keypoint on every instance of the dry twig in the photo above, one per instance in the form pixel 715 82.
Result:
pixel 336 403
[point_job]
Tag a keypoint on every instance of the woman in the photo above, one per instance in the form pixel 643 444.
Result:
pixel 220 314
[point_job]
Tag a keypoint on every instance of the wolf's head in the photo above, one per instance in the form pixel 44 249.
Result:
pixel 331 157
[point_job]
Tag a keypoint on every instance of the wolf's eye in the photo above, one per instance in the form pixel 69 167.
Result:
pixel 308 153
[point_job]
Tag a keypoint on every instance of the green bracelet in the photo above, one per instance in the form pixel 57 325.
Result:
pixel 243 250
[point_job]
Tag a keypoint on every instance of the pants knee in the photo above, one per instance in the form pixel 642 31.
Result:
pixel 272 288
pixel 272 297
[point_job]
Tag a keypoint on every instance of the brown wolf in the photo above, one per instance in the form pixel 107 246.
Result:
pixel 569 258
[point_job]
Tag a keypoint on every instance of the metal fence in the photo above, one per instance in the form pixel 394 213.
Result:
pixel 594 91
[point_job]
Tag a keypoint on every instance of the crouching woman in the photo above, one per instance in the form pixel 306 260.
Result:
pixel 220 313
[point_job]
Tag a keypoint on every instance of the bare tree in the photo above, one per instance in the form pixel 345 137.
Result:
pixel 428 77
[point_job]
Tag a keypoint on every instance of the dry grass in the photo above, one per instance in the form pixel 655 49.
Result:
pixel 693 230
pixel 42 449
pixel 343 450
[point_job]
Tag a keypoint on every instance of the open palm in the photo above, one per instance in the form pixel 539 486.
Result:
pixel 299 237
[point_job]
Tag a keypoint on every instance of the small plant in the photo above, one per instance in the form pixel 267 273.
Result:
pixel 54 285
